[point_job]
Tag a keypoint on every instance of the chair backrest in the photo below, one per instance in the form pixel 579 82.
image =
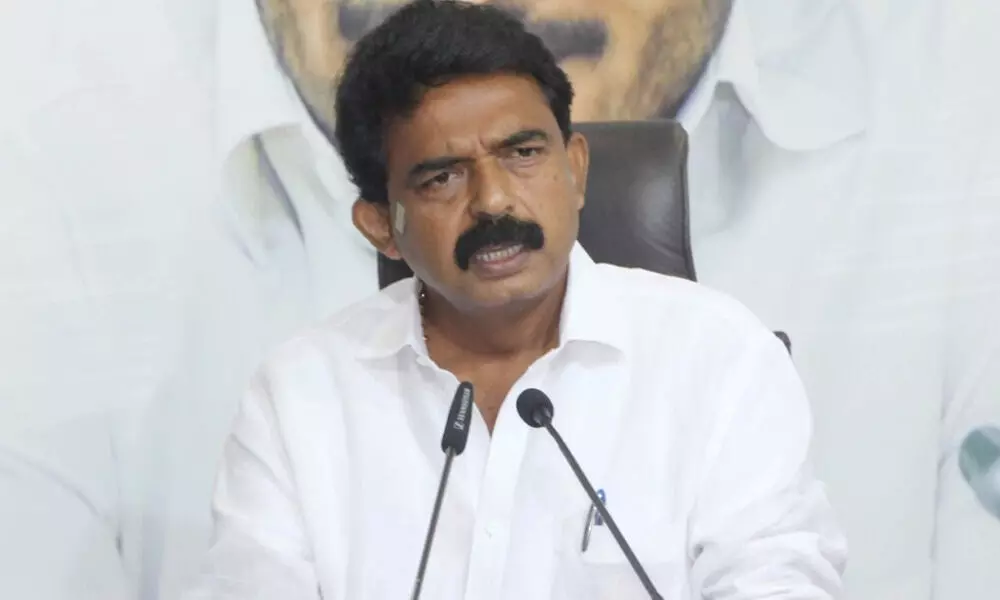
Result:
pixel 636 213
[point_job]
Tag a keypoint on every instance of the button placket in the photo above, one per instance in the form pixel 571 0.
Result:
pixel 491 540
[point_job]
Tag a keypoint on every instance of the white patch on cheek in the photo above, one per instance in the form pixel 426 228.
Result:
pixel 399 219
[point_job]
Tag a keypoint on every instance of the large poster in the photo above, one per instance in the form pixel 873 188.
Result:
pixel 857 211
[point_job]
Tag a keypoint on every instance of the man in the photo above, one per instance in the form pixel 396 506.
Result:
pixel 883 267
pixel 822 168
pixel 454 122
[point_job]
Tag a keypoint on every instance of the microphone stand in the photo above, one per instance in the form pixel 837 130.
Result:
pixel 449 456
pixel 605 514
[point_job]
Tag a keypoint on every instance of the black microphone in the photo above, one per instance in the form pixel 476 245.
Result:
pixel 456 434
pixel 536 410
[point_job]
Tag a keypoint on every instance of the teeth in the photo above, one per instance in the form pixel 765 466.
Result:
pixel 498 255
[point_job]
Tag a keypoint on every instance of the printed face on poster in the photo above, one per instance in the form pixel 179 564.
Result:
pixel 628 59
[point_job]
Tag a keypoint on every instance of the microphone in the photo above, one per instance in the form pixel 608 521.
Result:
pixel 979 460
pixel 536 410
pixel 456 434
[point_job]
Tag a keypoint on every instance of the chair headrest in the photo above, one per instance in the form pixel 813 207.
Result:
pixel 636 213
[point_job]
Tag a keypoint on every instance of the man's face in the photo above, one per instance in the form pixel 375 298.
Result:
pixel 627 59
pixel 490 192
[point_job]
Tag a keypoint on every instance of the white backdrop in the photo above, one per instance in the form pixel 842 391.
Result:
pixel 121 287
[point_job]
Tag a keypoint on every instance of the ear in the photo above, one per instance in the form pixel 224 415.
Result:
pixel 578 153
pixel 372 220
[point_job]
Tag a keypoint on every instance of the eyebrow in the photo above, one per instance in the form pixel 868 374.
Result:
pixel 521 137
pixel 441 163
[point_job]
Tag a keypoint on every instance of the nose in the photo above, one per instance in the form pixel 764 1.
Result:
pixel 490 189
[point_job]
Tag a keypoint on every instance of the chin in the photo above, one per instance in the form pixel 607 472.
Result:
pixel 526 287
pixel 491 296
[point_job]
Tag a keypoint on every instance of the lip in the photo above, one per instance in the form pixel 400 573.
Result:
pixel 503 263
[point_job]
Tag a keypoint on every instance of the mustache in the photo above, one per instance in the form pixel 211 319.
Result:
pixel 505 230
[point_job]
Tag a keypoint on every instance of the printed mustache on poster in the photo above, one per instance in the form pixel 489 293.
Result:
pixel 979 460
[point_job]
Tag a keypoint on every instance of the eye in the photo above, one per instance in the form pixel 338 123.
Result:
pixel 527 151
pixel 438 180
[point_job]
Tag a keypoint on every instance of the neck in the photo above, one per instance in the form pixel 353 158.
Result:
pixel 531 326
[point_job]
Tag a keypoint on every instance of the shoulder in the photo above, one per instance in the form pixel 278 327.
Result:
pixel 650 292
pixel 661 309
pixel 346 334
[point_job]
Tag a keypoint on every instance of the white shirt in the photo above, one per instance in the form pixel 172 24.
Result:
pixel 682 407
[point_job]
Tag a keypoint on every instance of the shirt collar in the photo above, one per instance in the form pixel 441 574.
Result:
pixel 797 68
pixel 253 93
pixel 256 103
pixel 585 317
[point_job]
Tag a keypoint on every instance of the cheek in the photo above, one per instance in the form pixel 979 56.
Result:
pixel 539 186
pixel 431 235
pixel 555 202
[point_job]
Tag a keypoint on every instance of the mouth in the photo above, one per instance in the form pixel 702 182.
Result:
pixel 497 253
pixel 496 261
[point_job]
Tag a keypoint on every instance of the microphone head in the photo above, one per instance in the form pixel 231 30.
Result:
pixel 534 407
pixel 979 461
pixel 456 431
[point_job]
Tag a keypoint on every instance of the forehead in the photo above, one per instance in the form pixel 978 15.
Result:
pixel 469 113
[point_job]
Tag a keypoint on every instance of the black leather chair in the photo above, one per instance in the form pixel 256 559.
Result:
pixel 636 213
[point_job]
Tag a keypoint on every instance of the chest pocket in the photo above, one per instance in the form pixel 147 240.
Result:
pixel 602 572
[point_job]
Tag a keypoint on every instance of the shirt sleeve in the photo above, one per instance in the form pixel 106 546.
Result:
pixel 967 537
pixel 97 181
pixel 762 526
pixel 58 528
pixel 967 541
pixel 59 535
pixel 260 550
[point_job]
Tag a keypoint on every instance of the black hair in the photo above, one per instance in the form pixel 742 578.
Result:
pixel 425 44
